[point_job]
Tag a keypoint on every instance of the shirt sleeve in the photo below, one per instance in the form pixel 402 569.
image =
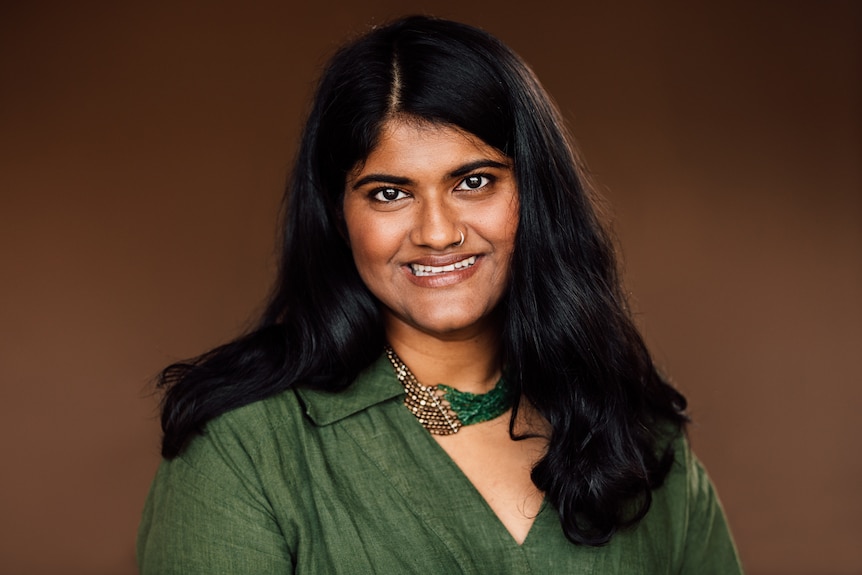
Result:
pixel 709 547
pixel 206 513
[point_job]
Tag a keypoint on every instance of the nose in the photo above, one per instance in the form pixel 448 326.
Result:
pixel 437 225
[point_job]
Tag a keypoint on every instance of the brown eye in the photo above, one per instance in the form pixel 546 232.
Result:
pixel 474 182
pixel 388 195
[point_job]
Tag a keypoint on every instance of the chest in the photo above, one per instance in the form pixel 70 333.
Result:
pixel 499 468
pixel 375 493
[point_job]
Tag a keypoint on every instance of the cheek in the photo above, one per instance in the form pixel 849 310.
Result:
pixel 508 233
pixel 373 248
pixel 362 245
pixel 360 235
pixel 505 225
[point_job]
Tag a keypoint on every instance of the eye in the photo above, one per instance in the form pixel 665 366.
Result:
pixel 474 182
pixel 388 194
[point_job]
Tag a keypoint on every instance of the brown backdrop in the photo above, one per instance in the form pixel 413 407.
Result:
pixel 143 147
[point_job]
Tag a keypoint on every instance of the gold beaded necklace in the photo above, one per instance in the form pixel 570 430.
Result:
pixel 442 409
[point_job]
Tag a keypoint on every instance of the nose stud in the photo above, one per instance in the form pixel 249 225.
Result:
pixel 461 243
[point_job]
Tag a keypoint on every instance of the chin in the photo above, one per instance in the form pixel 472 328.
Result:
pixel 451 324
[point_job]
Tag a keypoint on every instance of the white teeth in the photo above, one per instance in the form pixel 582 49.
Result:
pixel 420 270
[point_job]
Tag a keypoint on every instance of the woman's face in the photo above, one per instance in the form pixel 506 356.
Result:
pixel 406 208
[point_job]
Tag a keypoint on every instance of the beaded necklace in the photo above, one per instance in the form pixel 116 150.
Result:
pixel 442 409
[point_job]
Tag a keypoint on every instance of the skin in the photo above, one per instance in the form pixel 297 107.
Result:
pixel 435 196
pixel 407 205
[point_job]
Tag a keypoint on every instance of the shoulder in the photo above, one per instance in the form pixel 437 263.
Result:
pixel 229 458
pixel 262 433
pixel 209 509
pixel 242 490
pixel 685 484
pixel 687 507
pixel 231 463
pixel 687 488
pixel 251 427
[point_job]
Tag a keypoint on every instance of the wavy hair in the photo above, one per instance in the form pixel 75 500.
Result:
pixel 569 342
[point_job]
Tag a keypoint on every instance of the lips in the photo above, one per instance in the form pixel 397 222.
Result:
pixel 422 270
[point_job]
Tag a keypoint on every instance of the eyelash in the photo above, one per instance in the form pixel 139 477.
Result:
pixel 378 191
pixel 486 180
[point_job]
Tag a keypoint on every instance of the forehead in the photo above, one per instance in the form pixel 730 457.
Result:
pixel 424 147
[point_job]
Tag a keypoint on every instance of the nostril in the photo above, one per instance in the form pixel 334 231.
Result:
pixel 438 236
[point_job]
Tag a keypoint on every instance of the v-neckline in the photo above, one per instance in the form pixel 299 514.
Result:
pixel 476 494
pixel 430 476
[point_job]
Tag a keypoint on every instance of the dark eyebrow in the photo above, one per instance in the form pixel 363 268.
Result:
pixel 402 181
pixel 467 168
pixel 382 179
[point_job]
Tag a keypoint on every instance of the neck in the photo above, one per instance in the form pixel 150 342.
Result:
pixel 467 361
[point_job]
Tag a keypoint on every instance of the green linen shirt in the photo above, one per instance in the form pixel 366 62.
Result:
pixel 328 483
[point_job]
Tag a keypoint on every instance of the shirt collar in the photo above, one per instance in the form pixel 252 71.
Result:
pixel 374 385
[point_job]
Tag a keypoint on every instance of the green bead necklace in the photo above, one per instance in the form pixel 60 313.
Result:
pixel 442 409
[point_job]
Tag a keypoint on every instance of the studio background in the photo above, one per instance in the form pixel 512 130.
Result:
pixel 143 152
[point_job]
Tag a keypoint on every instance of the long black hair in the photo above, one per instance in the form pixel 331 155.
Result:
pixel 568 339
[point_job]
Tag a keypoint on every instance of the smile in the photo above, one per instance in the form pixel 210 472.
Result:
pixel 420 270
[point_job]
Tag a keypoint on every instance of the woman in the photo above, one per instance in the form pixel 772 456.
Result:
pixel 437 231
